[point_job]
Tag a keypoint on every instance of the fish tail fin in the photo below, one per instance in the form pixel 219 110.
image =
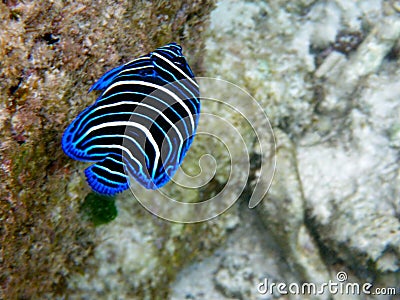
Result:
pixel 107 177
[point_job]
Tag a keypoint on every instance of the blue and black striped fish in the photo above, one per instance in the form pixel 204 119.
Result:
pixel 141 125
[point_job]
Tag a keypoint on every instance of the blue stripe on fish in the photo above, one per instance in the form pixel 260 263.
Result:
pixel 142 124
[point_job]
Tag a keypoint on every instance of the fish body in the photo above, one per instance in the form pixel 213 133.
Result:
pixel 141 125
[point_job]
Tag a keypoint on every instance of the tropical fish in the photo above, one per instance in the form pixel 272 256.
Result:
pixel 141 125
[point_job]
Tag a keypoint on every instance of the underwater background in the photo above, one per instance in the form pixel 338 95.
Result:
pixel 326 73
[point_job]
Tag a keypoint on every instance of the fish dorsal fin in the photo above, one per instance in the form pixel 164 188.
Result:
pixel 106 79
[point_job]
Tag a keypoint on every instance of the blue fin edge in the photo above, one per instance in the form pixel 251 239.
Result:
pixel 106 79
pixel 100 188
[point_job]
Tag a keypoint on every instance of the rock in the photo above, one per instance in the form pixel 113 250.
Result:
pixel 140 254
pixel 283 215
pixel 326 74
pixel 50 54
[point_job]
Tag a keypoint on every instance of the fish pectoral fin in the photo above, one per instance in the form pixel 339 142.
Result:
pixel 107 177
pixel 106 79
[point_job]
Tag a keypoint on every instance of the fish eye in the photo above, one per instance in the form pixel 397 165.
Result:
pixel 180 61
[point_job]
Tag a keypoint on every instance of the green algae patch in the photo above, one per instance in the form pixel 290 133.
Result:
pixel 99 209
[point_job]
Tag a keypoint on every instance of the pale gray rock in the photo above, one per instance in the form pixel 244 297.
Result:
pixel 283 214
pixel 138 254
pixel 327 74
